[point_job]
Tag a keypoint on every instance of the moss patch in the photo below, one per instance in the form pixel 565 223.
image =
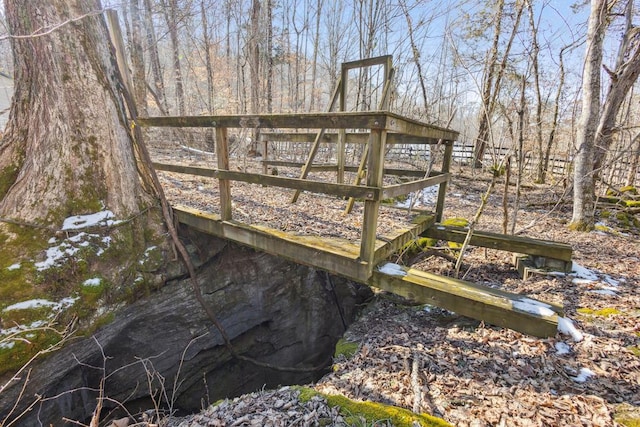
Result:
pixel 455 222
pixel 603 312
pixel 355 412
pixel 345 348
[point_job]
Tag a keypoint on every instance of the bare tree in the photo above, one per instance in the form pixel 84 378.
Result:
pixel 137 58
pixel 622 79
pixel 583 187
pixel 158 91
pixel 494 71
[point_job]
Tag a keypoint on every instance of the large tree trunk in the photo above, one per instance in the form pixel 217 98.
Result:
pixel 583 186
pixel 67 149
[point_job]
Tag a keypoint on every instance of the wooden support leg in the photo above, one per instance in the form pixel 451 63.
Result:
pixel 222 147
pixel 442 190
pixel 375 169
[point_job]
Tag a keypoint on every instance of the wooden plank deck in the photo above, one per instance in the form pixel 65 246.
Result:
pixel 335 255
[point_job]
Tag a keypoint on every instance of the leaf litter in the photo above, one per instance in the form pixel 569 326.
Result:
pixel 466 372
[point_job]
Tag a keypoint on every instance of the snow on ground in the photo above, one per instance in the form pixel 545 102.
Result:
pixel 566 327
pixel 39 302
pixel 392 269
pixel 583 275
pixel 584 375
pixel 562 348
pixel 426 197
pixel 15 266
pixel 92 282
pixel 102 218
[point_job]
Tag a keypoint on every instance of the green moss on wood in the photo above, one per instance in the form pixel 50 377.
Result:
pixel 455 222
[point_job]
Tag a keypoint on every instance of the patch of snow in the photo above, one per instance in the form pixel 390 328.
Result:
pixel 15 266
pixel 427 196
pixel 562 348
pixel 611 281
pixel 69 247
pixel 584 375
pixel 7 345
pixel 32 303
pixel 392 269
pixel 39 302
pixel 606 292
pixel 195 150
pixel 92 282
pixel 583 275
pixel 77 222
pixel 52 240
pixel 566 327
pixel 533 307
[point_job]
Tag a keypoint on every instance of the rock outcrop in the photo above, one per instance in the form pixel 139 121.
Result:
pixel 164 345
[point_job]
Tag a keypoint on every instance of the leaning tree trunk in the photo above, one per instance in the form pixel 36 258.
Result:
pixel 67 149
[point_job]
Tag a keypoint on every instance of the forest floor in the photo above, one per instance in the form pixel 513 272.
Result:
pixel 429 360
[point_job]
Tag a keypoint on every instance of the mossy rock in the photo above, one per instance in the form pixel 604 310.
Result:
pixel 373 412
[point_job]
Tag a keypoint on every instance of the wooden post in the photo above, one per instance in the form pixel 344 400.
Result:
pixel 377 140
pixel 341 147
pixel 222 147
pixel 442 190
pixel 265 154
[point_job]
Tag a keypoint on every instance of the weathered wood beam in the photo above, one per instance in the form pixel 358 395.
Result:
pixel 222 148
pixel 366 120
pixel 327 167
pixel 320 167
pixel 339 190
pixel 337 256
pixel 516 244
pixel 403 125
pixel 351 138
pixel 367 62
pixel 442 191
pixel 411 186
pixel 493 306
pixel 371 207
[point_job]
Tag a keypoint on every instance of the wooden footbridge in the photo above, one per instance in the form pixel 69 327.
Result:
pixel 365 260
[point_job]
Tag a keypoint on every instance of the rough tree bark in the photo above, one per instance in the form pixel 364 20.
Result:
pixel 623 78
pixel 67 149
pixel 583 186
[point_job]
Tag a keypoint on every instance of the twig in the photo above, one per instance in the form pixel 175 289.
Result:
pixel 43 31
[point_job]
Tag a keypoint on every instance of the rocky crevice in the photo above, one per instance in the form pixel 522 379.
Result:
pixel 273 310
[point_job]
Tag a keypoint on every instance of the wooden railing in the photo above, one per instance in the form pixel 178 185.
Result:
pixel 381 128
